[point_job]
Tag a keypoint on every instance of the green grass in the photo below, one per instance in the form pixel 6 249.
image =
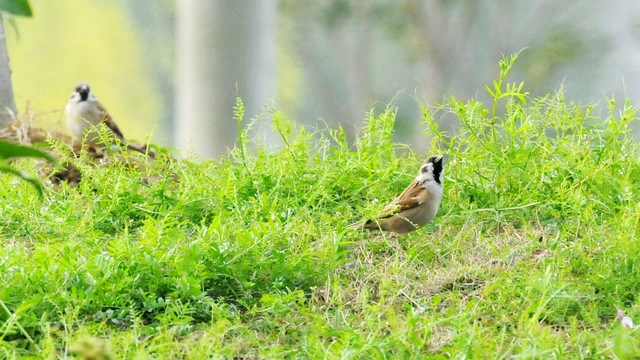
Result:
pixel 533 250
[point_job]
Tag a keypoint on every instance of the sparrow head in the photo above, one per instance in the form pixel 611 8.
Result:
pixel 431 170
pixel 82 92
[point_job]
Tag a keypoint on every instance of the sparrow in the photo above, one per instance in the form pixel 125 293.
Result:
pixel 416 206
pixel 84 113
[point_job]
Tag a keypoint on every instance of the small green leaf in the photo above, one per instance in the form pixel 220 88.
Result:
pixel 522 98
pixel 489 90
pixel 16 7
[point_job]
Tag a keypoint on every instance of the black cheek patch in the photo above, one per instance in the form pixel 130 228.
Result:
pixel 437 170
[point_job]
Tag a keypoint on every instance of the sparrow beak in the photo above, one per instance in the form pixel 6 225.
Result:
pixel 439 159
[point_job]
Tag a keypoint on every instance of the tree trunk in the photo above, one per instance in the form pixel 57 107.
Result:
pixel 7 105
pixel 225 49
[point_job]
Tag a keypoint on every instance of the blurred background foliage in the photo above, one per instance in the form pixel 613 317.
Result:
pixel 335 58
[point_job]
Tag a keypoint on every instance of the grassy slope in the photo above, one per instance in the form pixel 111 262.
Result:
pixel 533 250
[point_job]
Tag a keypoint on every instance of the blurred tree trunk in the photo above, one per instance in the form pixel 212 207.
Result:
pixel 225 49
pixel 155 21
pixel 7 104
pixel 334 45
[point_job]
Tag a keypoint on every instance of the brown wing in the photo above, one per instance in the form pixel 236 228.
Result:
pixel 108 121
pixel 411 197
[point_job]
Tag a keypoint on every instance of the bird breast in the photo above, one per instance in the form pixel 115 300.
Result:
pixel 81 116
pixel 432 206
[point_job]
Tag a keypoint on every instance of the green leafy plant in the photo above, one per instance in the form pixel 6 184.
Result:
pixel 10 151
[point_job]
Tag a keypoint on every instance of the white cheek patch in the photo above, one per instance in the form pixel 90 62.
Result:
pixel 426 173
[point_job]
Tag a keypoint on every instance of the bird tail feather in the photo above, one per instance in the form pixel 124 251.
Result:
pixel 358 225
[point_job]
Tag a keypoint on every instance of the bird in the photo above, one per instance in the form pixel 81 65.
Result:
pixel 416 206
pixel 625 320
pixel 84 113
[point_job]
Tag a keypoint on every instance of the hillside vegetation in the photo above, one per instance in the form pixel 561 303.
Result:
pixel 533 250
